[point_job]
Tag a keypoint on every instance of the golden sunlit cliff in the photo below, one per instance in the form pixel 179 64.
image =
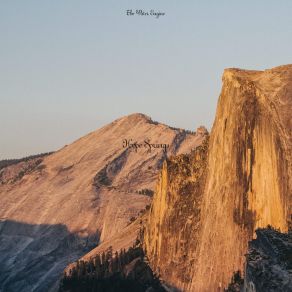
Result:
pixel 197 236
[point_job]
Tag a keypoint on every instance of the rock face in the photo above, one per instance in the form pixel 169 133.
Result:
pixel 171 233
pixel 55 210
pixel 246 183
pixel 269 262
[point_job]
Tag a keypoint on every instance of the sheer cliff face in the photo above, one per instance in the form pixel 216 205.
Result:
pixel 247 182
pixel 249 169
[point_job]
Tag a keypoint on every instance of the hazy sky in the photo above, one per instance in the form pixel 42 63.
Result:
pixel 69 67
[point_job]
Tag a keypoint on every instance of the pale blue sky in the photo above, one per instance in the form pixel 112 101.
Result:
pixel 69 67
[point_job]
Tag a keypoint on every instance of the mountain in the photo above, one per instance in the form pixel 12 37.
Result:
pixel 57 207
pixel 215 199
pixel 208 203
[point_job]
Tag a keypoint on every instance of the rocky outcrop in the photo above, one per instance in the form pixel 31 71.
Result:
pixel 246 184
pixel 171 234
pixel 269 262
pixel 54 210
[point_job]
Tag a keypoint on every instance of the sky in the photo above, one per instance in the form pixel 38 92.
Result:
pixel 70 67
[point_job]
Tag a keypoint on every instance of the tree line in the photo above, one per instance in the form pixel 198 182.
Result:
pixel 109 271
pixel 7 162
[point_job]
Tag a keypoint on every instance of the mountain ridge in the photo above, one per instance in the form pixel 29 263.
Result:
pixel 61 189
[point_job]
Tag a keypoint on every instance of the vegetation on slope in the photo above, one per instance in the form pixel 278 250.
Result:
pixel 7 162
pixel 119 271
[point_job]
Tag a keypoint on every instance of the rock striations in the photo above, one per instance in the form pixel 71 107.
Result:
pixel 202 218
pixel 55 209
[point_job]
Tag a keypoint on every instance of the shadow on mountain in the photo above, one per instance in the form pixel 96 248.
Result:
pixel 33 257
pixel 123 271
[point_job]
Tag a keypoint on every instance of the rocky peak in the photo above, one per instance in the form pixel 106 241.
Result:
pixel 135 117
pixel 202 131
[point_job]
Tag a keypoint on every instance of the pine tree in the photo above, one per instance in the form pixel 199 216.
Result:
pixel 103 258
pixel 97 266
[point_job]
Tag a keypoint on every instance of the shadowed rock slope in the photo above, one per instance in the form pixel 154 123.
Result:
pixel 92 188
pixel 197 236
pixel 269 262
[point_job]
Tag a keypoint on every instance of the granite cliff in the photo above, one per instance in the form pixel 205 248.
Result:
pixel 208 205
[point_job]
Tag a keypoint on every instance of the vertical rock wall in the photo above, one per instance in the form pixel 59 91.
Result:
pixel 246 185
